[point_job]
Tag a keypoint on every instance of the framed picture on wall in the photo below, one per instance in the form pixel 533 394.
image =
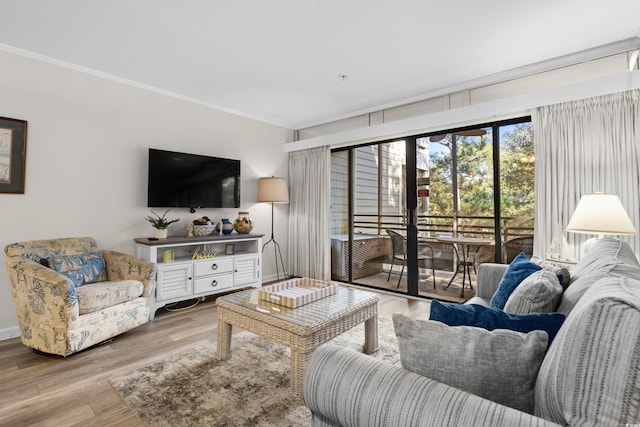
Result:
pixel 13 155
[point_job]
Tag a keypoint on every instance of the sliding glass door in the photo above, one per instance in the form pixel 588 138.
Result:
pixel 373 216
pixel 393 203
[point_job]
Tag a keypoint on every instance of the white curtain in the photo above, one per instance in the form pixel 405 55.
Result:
pixel 309 250
pixel 582 147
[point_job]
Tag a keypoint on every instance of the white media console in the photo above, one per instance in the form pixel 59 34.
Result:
pixel 186 269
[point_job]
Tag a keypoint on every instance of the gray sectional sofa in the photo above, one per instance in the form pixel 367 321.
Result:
pixel 589 376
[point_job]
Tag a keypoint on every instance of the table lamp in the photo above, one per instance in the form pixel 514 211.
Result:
pixel 274 190
pixel 601 214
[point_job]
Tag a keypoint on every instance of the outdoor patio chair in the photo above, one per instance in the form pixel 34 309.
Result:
pixel 513 247
pixel 398 246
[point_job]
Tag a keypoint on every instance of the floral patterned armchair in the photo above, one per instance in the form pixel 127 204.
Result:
pixel 70 295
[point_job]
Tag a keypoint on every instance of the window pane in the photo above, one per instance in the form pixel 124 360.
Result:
pixel 393 175
pixel 339 192
pixel 475 183
pixel 439 205
pixel 517 177
pixel 366 189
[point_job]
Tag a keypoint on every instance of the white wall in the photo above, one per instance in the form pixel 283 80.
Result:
pixel 86 172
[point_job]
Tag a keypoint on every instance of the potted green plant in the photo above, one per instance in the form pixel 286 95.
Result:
pixel 160 223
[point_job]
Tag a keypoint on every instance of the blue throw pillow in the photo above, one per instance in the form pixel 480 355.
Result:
pixel 492 318
pixel 519 269
pixel 81 269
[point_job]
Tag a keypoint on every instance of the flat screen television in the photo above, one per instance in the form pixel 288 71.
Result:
pixel 183 180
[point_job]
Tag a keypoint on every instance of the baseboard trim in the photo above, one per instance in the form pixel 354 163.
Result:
pixel 8 333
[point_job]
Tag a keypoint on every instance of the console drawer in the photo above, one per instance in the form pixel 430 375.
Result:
pixel 212 283
pixel 213 266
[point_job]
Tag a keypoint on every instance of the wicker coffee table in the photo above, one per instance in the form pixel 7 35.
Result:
pixel 302 329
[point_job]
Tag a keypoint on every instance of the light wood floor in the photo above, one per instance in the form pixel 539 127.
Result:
pixel 42 390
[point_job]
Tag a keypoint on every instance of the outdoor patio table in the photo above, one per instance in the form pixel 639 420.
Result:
pixel 465 244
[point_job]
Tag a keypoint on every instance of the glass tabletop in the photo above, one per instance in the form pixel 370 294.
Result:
pixel 344 300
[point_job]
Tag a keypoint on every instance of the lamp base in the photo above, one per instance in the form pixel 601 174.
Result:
pixel 590 243
pixel 278 254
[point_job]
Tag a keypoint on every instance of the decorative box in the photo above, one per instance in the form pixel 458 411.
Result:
pixel 296 292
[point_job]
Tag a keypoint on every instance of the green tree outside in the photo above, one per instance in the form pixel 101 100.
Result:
pixel 475 175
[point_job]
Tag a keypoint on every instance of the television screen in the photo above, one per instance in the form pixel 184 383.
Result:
pixel 184 180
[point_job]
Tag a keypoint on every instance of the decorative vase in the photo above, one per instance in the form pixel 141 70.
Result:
pixel 227 227
pixel 161 233
pixel 243 224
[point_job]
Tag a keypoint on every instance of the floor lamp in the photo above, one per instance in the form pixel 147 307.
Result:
pixel 274 190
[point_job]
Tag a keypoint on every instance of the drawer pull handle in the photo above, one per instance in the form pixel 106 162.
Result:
pixel 214 283
pixel 214 266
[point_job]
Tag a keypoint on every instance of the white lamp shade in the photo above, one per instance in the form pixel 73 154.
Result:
pixel 600 213
pixel 273 190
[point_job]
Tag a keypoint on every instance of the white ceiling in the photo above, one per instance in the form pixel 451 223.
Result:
pixel 280 60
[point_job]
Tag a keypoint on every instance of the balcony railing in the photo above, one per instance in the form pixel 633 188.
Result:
pixel 371 254
pixel 436 225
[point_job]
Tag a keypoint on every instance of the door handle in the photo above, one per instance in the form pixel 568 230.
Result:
pixel 411 217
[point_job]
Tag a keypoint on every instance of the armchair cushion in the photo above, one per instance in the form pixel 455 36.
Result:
pixel 499 365
pixel 491 318
pixel 81 269
pixel 101 295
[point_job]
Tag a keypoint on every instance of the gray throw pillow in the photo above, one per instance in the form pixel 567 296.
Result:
pixel 539 293
pixel 564 275
pixel 499 365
